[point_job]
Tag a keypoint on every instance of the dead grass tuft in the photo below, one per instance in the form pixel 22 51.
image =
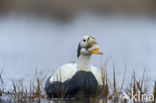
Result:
pixel 24 93
pixel 34 91
pixel 154 92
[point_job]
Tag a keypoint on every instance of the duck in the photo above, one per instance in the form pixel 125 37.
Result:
pixel 79 78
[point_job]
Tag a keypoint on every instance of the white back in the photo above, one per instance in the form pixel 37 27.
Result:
pixel 66 72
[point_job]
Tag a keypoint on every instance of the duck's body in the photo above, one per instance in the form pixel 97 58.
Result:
pixel 66 72
pixel 75 78
pixel 82 83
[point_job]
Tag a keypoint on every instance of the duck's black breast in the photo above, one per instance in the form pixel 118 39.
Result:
pixel 82 83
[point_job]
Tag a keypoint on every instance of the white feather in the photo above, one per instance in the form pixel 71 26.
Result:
pixel 66 72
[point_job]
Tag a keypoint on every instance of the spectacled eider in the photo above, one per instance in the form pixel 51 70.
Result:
pixel 79 78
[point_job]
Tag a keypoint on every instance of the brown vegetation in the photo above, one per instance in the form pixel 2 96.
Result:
pixel 110 92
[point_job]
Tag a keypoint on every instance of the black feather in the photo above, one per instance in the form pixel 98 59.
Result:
pixel 78 50
pixel 82 83
pixel 53 89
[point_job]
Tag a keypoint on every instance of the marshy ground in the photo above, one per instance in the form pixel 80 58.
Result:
pixel 137 90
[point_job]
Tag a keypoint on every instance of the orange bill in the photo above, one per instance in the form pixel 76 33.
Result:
pixel 96 51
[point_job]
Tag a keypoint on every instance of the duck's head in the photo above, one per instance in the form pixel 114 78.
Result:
pixel 88 46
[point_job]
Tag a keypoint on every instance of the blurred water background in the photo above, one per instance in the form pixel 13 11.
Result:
pixel 43 35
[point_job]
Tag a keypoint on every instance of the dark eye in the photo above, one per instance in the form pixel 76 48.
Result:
pixel 84 40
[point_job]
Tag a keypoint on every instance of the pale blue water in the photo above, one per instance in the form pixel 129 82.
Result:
pixel 28 42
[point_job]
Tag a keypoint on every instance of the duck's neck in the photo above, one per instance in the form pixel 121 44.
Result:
pixel 84 63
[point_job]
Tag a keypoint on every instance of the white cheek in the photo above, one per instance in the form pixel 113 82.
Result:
pixel 84 51
pixel 83 44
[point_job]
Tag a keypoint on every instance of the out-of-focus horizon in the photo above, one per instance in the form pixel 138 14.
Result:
pixel 44 34
pixel 68 8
